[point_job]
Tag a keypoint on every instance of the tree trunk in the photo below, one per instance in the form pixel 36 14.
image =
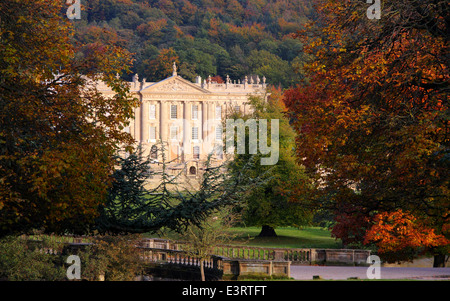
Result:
pixel 439 261
pixel 202 269
pixel 267 231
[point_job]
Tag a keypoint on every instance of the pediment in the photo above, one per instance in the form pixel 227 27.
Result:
pixel 174 84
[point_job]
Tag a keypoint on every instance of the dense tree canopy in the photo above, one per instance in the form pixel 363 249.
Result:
pixel 281 200
pixel 373 123
pixel 209 37
pixel 57 133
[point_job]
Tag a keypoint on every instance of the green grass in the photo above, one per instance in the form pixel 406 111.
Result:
pixel 307 237
pixel 288 237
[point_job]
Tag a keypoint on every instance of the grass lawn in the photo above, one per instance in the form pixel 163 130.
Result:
pixel 307 237
pixel 289 237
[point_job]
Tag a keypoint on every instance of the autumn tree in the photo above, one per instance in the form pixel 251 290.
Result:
pixel 203 34
pixel 372 121
pixel 399 234
pixel 58 134
pixel 162 66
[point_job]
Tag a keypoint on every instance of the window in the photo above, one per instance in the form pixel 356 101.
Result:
pixel 194 133
pixel 237 108
pixel 218 112
pixel 152 133
pixel 196 152
pixel 194 112
pixel 152 112
pixel 219 132
pixel 173 111
pixel 154 152
pixel 173 132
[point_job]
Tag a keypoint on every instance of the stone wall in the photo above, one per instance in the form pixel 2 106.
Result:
pixel 340 256
pixel 244 267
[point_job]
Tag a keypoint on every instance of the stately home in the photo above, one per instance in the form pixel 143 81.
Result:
pixel 187 117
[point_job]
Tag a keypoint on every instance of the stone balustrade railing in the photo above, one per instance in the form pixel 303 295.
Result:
pixel 295 255
pixel 159 255
pixel 225 259
pixel 227 266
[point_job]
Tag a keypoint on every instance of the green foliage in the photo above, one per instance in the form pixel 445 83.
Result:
pixel 19 260
pixel 132 208
pixel 281 200
pixel 127 195
pixel 201 239
pixel 203 34
pixel 277 70
pixel 115 258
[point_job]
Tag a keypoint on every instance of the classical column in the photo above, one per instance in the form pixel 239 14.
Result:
pixel 137 124
pixel 131 127
pixel 209 141
pixel 144 122
pixel 163 121
pixel 187 130
pixel 212 117
pixel 204 121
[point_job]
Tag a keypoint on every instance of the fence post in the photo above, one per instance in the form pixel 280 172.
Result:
pixel 312 256
pixel 278 255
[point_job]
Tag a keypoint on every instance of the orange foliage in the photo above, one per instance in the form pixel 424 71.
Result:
pixel 372 120
pixel 58 134
pixel 287 27
pixel 216 79
pixel 162 66
pixel 254 32
pixel 152 29
pixel 213 31
pixel 399 230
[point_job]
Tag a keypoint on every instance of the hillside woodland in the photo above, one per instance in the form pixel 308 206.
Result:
pixel 205 37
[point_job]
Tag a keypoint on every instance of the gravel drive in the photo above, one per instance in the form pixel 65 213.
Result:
pixel 342 273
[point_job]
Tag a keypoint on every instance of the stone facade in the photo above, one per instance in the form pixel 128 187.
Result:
pixel 187 117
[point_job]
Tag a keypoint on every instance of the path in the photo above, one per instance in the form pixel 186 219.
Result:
pixel 342 273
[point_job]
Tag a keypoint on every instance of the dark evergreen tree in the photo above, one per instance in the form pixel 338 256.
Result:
pixel 127 195
pixel 131 208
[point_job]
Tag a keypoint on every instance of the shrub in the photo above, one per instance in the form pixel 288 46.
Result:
pixel 115 257
pixel 20 260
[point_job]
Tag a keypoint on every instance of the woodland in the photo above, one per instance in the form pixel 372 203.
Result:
pixel 214 37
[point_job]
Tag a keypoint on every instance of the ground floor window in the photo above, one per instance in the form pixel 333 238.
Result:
pixel 196 152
